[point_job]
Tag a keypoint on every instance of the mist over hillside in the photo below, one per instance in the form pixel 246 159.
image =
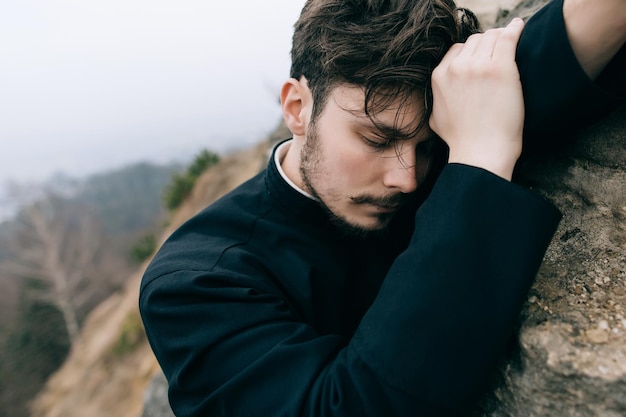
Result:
pixel 82 230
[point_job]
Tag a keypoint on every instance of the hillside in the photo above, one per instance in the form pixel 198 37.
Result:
pixel 67 244
pixel 125 203
pixel 108 372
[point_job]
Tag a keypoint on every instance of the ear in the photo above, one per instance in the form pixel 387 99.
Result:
pixel 296 102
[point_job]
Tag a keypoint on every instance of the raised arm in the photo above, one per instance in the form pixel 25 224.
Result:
pixel 596 30
pixel 571 67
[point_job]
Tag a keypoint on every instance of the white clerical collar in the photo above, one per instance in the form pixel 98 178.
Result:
pixel 279 155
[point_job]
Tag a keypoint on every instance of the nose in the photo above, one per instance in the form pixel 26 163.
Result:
pixel 401 173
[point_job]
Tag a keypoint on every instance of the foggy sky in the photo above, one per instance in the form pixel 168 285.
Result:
pixel 91 85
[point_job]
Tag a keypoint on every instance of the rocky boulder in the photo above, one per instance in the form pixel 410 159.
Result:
pixel 571 355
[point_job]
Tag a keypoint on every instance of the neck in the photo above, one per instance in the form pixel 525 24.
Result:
pixel 290 163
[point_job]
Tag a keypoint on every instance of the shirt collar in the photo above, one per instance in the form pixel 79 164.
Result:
pixel 279 156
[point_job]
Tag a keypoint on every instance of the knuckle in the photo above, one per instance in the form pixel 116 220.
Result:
pixel 474 37
pixel 455 48
pixel 464 66
pixel 436 75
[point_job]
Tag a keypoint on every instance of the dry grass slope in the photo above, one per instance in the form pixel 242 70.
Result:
pixel 108 372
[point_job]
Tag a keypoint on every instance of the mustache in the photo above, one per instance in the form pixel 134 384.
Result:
pixel 390 201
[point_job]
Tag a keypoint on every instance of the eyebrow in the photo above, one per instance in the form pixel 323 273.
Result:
pixel 384 129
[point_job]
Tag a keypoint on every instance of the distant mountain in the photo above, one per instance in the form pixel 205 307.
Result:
pixel 121 206
pixel 127 199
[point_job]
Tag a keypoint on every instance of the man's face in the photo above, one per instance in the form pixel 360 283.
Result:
pixel 360 175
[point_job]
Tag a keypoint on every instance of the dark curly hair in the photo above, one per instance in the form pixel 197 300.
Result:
pixel 387 47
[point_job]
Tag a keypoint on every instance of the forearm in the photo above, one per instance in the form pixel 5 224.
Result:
pixel 450 301
pixel 596 30
pixel 559 95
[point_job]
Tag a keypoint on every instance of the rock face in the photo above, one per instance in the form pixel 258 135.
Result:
pixel 155 400
pixel 499 12
pixel 571 354
pixel 571 358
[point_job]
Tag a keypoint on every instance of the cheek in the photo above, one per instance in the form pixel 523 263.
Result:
pixel 353 165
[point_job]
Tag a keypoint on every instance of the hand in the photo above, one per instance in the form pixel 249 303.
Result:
pixel 478 106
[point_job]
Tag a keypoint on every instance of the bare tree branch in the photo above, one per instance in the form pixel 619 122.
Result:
pixel 60 246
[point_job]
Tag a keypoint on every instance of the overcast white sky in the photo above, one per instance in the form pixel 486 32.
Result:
pixel 89 85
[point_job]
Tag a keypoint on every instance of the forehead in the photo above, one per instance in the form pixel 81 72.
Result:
pixel 402 113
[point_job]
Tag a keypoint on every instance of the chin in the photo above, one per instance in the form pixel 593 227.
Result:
pixel 363 228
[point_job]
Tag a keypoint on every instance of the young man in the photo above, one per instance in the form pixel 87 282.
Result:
pixel 369 270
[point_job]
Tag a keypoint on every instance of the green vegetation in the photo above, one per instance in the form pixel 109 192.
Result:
pixel 35 346
pixel 181 184
pixel 131 335
pixel 143 249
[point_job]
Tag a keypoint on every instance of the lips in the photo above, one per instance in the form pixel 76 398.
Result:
pixel 393 201
pixel 386 208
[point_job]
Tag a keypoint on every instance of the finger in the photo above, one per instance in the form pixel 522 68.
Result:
pixel 452 53
pixel 506 44
pixel 471 44
pixel 488 43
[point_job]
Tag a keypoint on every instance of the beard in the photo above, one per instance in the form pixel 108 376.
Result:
pixel 311 166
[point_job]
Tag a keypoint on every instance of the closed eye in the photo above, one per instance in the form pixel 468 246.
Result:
pixel 377 143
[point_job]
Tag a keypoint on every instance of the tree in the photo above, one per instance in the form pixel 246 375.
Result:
pixel 32 350
pixel 181 184
pixel 60 247
pixel 144 248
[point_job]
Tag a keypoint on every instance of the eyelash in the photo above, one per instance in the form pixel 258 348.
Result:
pixel 424 147
pixel 384 143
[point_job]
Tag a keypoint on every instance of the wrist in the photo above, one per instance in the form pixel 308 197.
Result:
pixel 498 162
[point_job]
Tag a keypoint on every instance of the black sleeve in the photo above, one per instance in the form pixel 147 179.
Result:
pixel 424 348
pixel 449 303
pixel 559 95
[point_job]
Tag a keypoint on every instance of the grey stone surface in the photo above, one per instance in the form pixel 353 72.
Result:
pixel 571 356
pixel 517 8
pixel 156 403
